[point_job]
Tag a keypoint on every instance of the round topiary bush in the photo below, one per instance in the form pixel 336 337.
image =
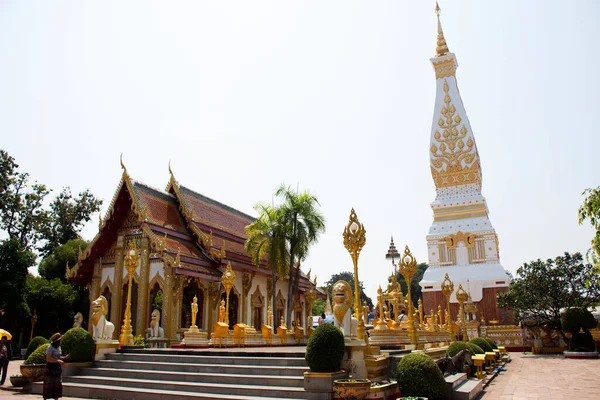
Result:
pixel 34 344
pixel 457 347
pixel 38 356
pixel 474 349
pixel 419 375
pixel 79 344
pixel 491 343
pixel 576 318
pixel 481 342
pixel 325 349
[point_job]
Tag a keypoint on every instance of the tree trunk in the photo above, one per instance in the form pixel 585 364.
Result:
pixel 274 323
pixel 288 312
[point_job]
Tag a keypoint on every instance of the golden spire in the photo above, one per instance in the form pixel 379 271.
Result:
pixel 442 47
pixel 170 170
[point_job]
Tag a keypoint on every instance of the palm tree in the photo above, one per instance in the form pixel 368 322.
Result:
pixel 302 224
pixel 266 239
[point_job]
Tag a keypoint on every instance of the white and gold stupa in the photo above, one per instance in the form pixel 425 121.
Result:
pixel 462 241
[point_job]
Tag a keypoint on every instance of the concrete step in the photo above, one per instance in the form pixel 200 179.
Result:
pixel 184 376
pixel 205 368
pixel 255 391
pixel 208 359
pixel 127 393
pixel 469 390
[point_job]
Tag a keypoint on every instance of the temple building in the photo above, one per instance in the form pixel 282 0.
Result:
pixel 185 241
pixel 462 241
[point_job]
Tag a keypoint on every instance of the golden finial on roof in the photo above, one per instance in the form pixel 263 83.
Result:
pixel 170 170
pixel 442 47
pixel 123 165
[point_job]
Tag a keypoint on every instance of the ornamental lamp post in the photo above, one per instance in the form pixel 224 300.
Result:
pixel 392 254
pixel 131 262
pixel 228 281
pixel 354 240
pixel 408 267
pixel 462 296
pixel 447 289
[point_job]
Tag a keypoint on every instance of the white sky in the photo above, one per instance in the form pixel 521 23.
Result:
pixel 333 96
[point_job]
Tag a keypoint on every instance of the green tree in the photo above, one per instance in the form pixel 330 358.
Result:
pixel 14 261
pixel 54 304
pixel 415 289
pixel 302 224
pixel 318 307
pixel 67 217
pixel 590 210
pixel 542 289
pixel 349 277
pixel 54 265
pixel 267 242
pixel 22 215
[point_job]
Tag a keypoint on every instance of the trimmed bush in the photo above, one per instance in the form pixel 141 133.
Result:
pixel 576 318
pixel 325 349
pixel 419 375
pixel 582 342
pixel 79 344
pixel 474 349
pixel 481 342
pixel 457 347
pixel 38 356
pixel 34 344
pixel 491 343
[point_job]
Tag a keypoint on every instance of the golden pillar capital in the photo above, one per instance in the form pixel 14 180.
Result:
pixel 132 259
pixel 408 267
pixel 462 296
pixel 447 290
pixel 228 281
pixel 354 240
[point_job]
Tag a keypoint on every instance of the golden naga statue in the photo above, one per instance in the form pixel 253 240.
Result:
pixel 101 328
pixel 77 320
pixel 194 311
pixel 342 298
pixel 155 329
pixel 222 312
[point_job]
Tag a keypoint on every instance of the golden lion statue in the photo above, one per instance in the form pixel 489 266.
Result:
pixel 101 328
pixel 155 330
pixel 342 299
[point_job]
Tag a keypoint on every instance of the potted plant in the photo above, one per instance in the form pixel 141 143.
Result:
pixel 384 389
pixel 19 380
pixel 351 389
pixel 79 344
pixel 324 352
pixel 33 368
pixel 34 344
pixel 419 376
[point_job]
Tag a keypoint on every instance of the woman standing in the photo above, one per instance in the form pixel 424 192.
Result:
pixel 3 359
pixel 52 375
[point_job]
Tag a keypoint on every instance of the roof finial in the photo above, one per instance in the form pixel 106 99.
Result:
pixel 170 170
pixel 123 165
pixel 442 47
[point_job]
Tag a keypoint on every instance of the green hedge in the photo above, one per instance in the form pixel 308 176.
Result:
pixel 325 349
pixel 79 344
pixel 491 343
pixel 457 347
pixel 34 344
pixel 38 356
pixel 481 342
pixel 419 375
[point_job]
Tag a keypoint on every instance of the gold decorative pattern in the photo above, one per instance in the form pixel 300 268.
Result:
pixel 468 238
pixel 445 68
pixel 455 161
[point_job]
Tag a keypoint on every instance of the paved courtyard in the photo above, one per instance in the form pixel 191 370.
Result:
pixel 546 377
pixel 527 377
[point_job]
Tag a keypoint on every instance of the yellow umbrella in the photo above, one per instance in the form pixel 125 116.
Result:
pixel 5 333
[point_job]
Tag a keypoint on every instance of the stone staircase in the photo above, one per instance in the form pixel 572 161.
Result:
pixel 185 374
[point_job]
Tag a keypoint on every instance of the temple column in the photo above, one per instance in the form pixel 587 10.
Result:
pixel 142 315
pixel 214 289
pixel 115 312
pixel 246 286
pixel 168 302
